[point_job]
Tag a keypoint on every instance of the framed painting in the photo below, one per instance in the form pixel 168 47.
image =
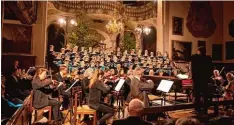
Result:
pixel 177 26
pixel 181 50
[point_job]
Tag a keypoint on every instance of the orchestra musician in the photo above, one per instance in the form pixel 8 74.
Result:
pixel 96 87
pixel 61 77
pixel 85 83
pixel 41 85
pixel 136 84
pixel 218 78
pixel 229 88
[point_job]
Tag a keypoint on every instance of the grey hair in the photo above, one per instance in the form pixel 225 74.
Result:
pixel 136 105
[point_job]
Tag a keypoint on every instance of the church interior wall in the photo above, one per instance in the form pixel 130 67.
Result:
pixel 228 15
pixel 181 9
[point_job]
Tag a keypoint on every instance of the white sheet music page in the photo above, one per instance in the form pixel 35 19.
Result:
pixel 119 85
pixel 165 85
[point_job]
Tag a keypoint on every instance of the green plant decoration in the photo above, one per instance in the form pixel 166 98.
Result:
pixel 129 41
pixel 82 34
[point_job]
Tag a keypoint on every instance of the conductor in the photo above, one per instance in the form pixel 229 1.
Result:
pixel 201 73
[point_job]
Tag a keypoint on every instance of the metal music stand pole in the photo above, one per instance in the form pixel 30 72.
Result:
pixel 70 110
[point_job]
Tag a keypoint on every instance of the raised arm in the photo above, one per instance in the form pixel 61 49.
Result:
pixel 37 84
pixel 102 86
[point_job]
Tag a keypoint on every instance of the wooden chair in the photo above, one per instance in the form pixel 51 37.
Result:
pixel 83 110
pixel 154 97
pixel 49 108
pixel 174 96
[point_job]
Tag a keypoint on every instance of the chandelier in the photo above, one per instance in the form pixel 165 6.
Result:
pixel 143 29
pixel 114 26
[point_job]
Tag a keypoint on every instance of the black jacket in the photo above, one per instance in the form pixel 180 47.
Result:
pixel 40 97
pixel 12 86
pixel 201 69
pixel 131 121
pixel 95 93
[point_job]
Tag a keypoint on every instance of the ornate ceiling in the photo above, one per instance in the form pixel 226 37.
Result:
pixel 135 11
pixel 132 13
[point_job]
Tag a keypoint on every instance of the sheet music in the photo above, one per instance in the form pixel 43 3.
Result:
pixel 72 85
pixel 165 85
pixel 182 76
pixel 119 85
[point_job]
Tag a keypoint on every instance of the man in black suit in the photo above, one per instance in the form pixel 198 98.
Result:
pixel 135 109
pixel 60 77
pixel 201 73
pixel 13 87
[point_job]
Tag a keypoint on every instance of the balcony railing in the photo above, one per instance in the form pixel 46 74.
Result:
pixel 109 7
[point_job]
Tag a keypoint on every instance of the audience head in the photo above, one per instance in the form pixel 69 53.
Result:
pixel 221 120
pixel 201 50
pixel 187 121
pixel 170 122
pixel 135 107
pixel 41 73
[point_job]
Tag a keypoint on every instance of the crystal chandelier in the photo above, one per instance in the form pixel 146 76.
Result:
pixel 114 26
pixel 143 29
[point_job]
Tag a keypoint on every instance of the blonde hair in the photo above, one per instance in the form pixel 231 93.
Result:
pixel 39 72
pixel 94 78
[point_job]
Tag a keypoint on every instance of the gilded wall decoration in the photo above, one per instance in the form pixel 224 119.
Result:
pixel 200 21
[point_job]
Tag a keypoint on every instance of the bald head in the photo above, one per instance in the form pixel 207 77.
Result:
pixel 135 107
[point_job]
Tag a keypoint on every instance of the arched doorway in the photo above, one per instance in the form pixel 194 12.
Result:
pixel 149 41
pixel 55 37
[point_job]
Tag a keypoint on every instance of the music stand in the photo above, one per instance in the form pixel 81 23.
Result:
pixel 119 100
pixel 165 87
pixel 70 110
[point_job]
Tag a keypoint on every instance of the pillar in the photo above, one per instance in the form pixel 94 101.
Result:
pixel 39 35
pixel 160 31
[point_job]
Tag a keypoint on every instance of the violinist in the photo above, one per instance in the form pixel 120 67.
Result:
pixel 218 79
pixel 85 83
pixel 96 88
pixel 229 88
pixel 61 77
pixel 40 98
